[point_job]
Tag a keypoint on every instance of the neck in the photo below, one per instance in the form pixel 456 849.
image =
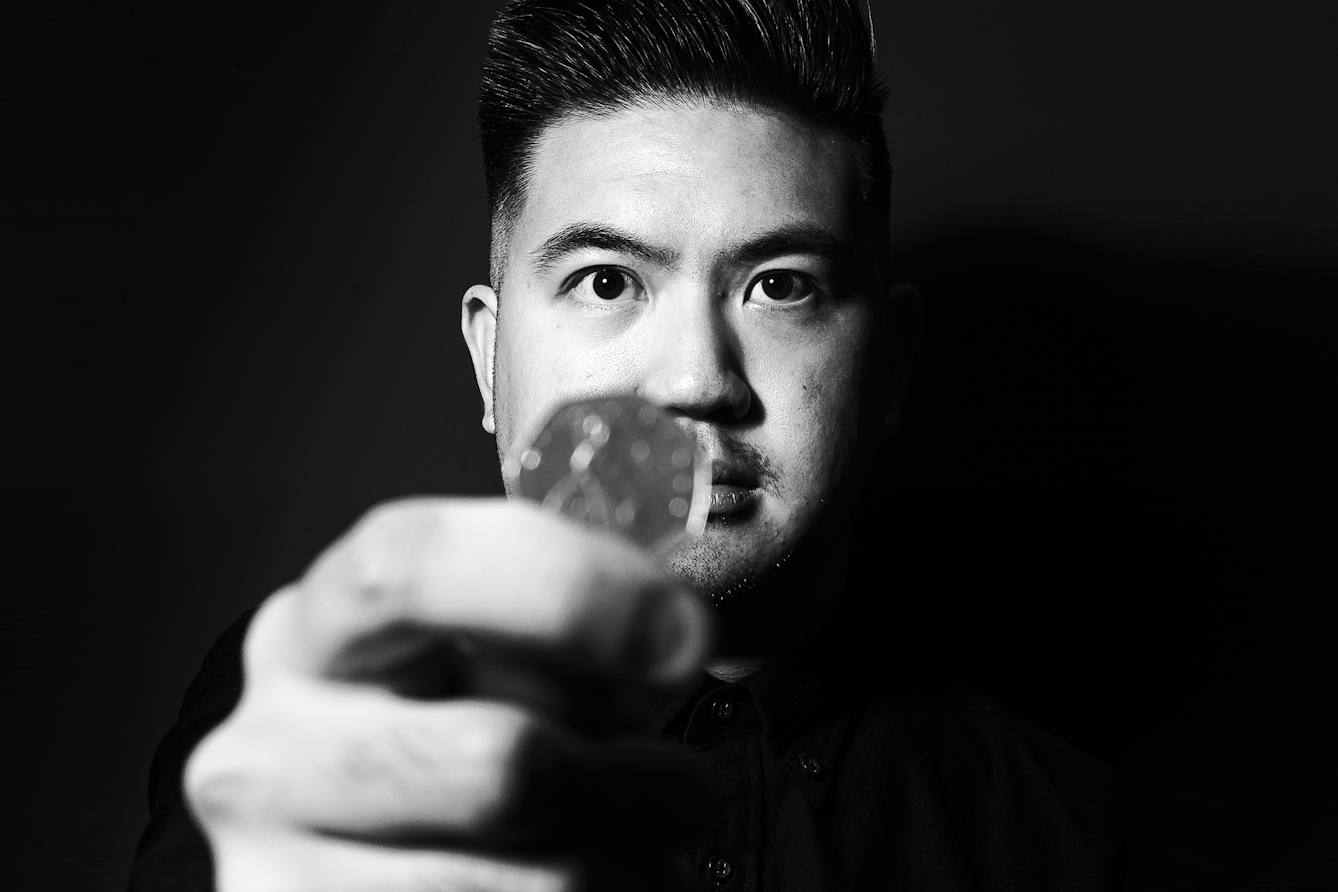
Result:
pixel 783 616
pixel 732 670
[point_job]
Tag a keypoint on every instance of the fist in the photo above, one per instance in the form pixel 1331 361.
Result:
pixel 456 696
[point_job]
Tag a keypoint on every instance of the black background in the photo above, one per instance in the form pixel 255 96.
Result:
pixel 1111 497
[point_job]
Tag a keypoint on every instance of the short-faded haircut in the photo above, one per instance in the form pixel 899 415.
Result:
pixel 548 59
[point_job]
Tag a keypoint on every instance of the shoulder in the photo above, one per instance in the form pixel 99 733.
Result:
pixel 980 743
pixel 1021 753
pixel 1019 801
pixel 1012 804
pixel 976 751
pixel 172 854
pixel 210 697
pixel 975 736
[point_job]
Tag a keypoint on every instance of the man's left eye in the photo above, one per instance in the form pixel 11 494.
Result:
pixel 780 288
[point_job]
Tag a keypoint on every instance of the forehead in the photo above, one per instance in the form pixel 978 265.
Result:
pixel 691 174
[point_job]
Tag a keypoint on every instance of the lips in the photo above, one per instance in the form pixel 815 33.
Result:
pixel 734 489
pixel 729 501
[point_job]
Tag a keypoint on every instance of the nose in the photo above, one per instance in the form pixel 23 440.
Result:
pixel 693 365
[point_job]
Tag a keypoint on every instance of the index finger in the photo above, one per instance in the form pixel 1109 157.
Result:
pixel 412 572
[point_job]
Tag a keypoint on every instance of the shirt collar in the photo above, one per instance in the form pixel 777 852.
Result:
pixel 794 693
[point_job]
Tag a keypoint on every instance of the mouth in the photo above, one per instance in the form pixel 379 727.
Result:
pixel 734 490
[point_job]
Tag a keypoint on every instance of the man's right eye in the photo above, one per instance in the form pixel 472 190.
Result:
pixel 606 285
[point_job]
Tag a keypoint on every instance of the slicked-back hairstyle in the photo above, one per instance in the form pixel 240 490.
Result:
pixel 548 59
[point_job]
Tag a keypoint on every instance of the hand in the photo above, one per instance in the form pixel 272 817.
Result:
pixel 444 702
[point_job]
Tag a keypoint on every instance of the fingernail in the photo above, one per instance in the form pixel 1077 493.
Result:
pixel 673 636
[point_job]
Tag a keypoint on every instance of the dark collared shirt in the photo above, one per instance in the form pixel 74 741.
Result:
pixel 832 776
pixel 832 782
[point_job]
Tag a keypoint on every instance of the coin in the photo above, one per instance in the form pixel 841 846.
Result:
pixel 616 463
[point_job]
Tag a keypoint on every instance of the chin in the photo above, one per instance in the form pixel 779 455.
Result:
pixel 728 566
pixel 766 599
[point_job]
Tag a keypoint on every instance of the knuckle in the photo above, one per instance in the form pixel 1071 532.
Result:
pixel 248 869
pixel 482 765
pixel 224 780
pixel 592 600
pixel 390 533
pixel 391 514
pixel 579 591
pixel 373 564
pixel 497 771
pixel 506 764
pixel 269 636
pixel 403 758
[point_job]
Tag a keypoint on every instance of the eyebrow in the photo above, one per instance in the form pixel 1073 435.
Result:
pixel 793 239
pixel 590 236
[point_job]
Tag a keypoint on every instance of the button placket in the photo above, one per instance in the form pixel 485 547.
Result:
pixel 720 870
pixel 727 712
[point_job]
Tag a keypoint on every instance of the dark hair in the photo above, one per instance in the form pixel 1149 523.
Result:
pixel 551 58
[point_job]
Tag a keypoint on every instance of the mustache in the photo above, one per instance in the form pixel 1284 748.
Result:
pixel 732 459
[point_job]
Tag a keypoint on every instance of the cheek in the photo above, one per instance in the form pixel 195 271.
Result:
pixel 832 422
pixel 523 378
pixel 544 362
pixel 821 421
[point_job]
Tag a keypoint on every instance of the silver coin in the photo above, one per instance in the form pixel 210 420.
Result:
pixel 619 464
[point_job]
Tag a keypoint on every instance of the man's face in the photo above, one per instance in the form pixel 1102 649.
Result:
pixel 716 261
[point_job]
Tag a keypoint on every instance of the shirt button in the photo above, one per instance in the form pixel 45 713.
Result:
pixel 811 765
pixel 720 869
pixel 724 708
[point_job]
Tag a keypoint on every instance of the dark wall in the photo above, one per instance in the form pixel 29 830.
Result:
pixel 1110 489
pixel 1115 485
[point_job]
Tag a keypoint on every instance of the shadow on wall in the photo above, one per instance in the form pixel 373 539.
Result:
pixel 1110 502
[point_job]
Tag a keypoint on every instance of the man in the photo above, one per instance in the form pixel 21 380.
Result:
pixel 689 203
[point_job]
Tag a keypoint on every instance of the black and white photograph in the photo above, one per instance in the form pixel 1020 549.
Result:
pixel 724 445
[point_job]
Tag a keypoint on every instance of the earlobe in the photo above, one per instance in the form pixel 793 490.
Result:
pixel 478 324
pixel 905 323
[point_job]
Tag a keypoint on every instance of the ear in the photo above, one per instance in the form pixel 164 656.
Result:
pixel 905 321
pixel 478 323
